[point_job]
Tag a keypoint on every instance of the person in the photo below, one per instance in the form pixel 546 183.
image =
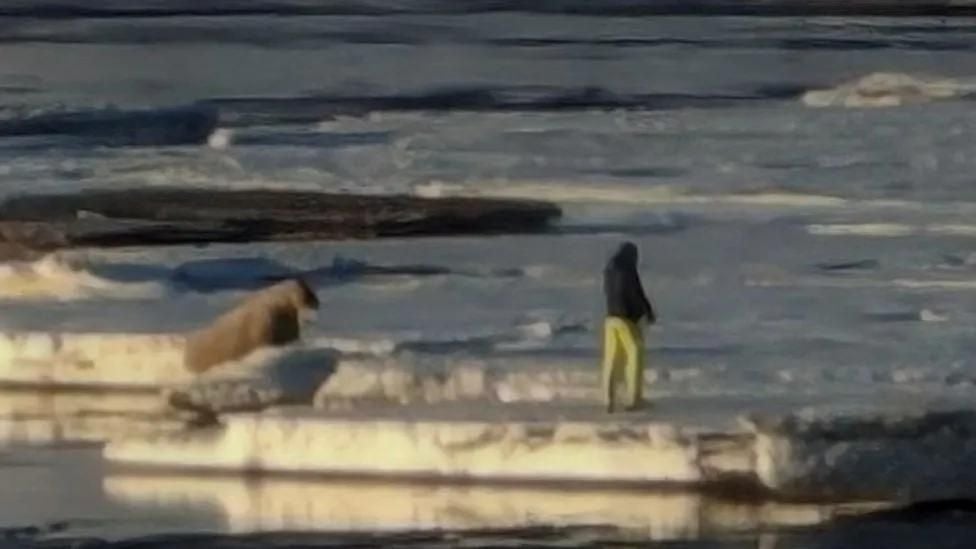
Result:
pixel 627 305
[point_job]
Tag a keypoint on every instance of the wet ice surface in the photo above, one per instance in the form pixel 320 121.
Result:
pixel 799 256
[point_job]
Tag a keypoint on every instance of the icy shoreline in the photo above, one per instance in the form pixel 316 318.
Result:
pixel 874 453
pixel 829 462
pixel 387 416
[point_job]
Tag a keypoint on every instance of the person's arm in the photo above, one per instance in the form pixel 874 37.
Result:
pixel 648 309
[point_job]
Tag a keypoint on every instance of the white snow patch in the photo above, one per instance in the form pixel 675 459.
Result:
pixel 952 230
pixel 621 194
pixel 221 139
pixel 928 315
pixel 934 285
pixel 62 277
pixel 863 229
pixel 392 381
pixel 890 230
pixel 885 89
pixel 536 330
pixel 373 346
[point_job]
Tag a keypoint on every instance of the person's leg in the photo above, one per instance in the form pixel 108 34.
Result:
pixel 610 349
pixel 638 386
pixel 633 372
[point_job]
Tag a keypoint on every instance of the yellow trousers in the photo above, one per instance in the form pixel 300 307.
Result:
pixel 622 335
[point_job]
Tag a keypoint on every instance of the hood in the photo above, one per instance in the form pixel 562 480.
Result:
pixel 625 257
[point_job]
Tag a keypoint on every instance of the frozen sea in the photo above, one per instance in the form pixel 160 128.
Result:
pixel 801 251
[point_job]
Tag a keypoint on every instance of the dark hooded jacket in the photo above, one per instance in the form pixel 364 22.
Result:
pixel 622 287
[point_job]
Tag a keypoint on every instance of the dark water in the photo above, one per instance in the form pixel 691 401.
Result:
pixel 950 533
pixel 67 498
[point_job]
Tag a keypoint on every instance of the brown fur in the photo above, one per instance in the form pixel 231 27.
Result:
pixel 270 317
pixel 15 252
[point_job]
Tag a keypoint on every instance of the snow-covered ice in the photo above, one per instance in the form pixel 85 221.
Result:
pixel 803 248
pixel 49 359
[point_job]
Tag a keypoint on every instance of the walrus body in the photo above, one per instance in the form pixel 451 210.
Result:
pixel 270 317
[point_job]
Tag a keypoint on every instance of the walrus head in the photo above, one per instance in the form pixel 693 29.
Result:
pixel 303 298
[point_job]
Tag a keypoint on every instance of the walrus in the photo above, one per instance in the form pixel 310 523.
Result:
pixel 270 317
